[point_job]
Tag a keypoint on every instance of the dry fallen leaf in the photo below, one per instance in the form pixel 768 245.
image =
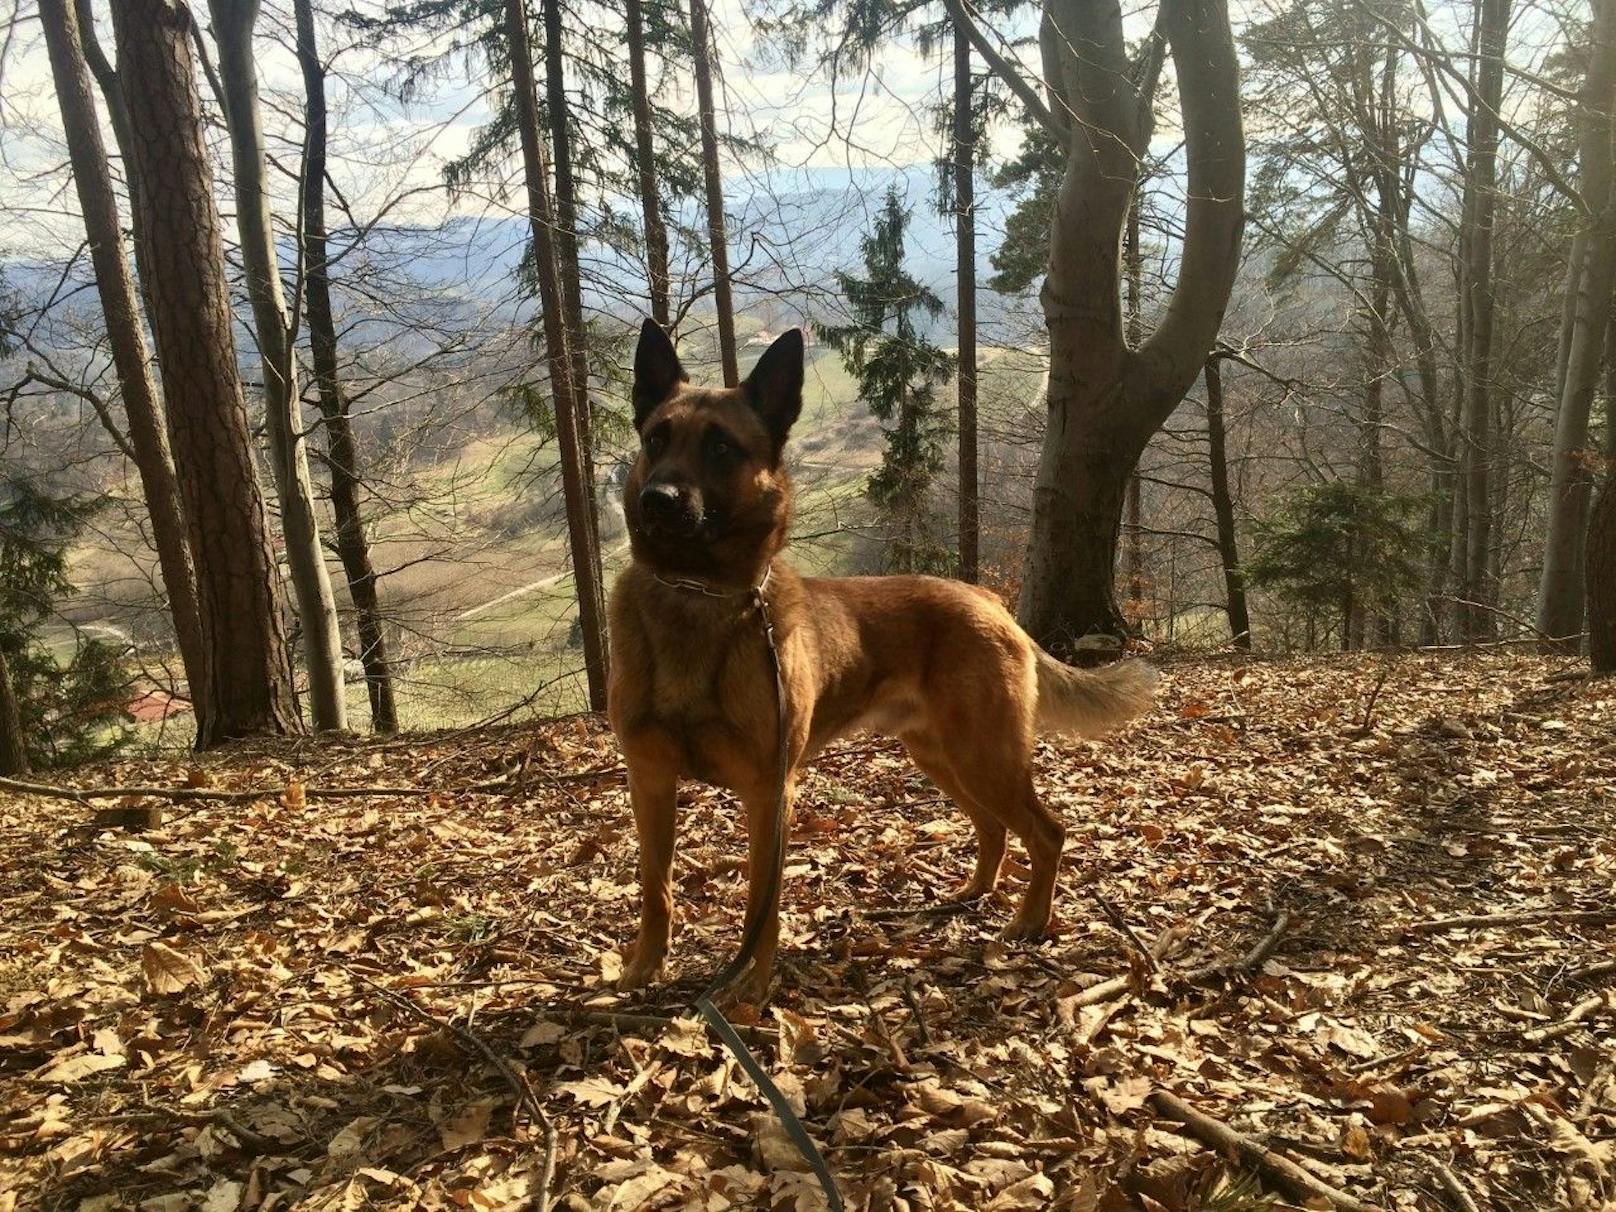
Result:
pixel 167 970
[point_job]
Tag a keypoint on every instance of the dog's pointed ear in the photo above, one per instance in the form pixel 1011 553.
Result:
pixel 774 388
pixel 656 371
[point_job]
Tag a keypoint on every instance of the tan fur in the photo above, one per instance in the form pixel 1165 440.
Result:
pixel 939 664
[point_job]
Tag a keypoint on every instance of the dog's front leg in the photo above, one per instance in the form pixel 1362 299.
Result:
pixel 763 886
pixel 653 791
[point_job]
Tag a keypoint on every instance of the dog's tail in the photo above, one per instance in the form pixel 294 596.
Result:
pixel 1086 702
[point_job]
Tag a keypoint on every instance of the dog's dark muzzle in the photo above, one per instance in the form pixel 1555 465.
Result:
pixel 671 508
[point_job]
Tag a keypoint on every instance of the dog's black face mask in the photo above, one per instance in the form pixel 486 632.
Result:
pixel 707 491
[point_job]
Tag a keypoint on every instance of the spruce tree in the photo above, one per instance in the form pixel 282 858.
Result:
pixel 897 370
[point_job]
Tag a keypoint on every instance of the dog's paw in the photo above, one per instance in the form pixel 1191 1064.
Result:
pixel 968 893
pixel 1024 931
pixel 637 972
pixel 751 988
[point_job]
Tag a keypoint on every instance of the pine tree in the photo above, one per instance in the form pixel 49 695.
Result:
pixel 898 372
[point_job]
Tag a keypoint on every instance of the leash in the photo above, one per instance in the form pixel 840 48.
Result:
pixel 752 933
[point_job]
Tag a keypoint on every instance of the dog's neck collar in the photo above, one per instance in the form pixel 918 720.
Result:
pixel 692 585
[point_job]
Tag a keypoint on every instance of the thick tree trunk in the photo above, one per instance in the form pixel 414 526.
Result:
pixel 1106 400
pixel 353 548
pixel 249 686
pixel 656 231
pixel 1481 183
pixel 148 428
pixel 1590 276
pixel 701 42
pixel 970 525
pixel 574 470
pixel 1234 586
pixel 13 748
pixel 233 22
pixel 1602 578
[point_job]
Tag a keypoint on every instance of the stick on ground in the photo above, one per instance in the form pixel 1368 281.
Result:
pixel 1218 1135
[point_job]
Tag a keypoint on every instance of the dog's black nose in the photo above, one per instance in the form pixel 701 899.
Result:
pixel 668 505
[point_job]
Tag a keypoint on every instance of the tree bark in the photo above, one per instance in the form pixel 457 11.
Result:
pixel 1234 587
pixel 233 22
pixel 249 683
pixel 574 471
pixel 566 245
pixel 1481 184
pixel 656 231
pixel 353 548
pixel 1602 578
pixel 1106 400
pixel 970 524
pixel 1590 277
pixel 702 50
pixel 13 748
pixel 148 427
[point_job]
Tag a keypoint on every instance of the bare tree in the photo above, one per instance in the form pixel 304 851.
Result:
pixel 1472 539
pixel 248 688
pixel 701 41
pixel 13 752
pixel 148 427
pixel 1105 400
pixel 1590 277
pixel 1234 587
pixel 575 476
pixel 656 231
pixel 970 527
pixel 233 22
pixel 353 548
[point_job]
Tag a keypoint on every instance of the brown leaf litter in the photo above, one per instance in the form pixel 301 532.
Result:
pixel 1380 954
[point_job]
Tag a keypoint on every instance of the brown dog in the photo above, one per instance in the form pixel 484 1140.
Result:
pixel 939 664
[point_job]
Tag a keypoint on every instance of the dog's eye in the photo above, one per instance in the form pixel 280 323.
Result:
pixel 655 443
pixel 721 448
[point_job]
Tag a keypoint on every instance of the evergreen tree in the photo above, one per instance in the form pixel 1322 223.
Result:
pixel 1336 546
pixel 897 370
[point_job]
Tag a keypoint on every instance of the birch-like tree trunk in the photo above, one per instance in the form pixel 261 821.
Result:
pixel 233 22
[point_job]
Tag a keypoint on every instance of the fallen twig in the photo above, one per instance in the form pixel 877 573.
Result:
pixel 1455 1189
pixel 1121 923
pixel 1248 963
pixel 87 794
pixel 518 1084
pixel 1568 1024
pixel 1116 986
pixel 1523 917
pixel 1219 1135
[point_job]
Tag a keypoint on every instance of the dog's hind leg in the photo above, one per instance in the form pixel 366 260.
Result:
pixel 929 755
pixel 653 791
pixel 996 773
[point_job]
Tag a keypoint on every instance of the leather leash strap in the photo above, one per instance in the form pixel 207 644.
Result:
pixel 752 934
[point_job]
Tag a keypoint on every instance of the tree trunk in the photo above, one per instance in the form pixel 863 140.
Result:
pixel 233 22
pixel 148 428
pixel 702 48
pixel 1106 400
pixel 1133 322
pixel 656 232
pixel 1590 276
pixel 1234 587
pixel 1602 578
pixel 1481 183
pixel 249 684
pixel 13 748
pixel 574 471
pixel 353 548
pixel 970 524
pixel 566 247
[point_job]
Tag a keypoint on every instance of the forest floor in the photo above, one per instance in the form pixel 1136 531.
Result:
pixel 1379 890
